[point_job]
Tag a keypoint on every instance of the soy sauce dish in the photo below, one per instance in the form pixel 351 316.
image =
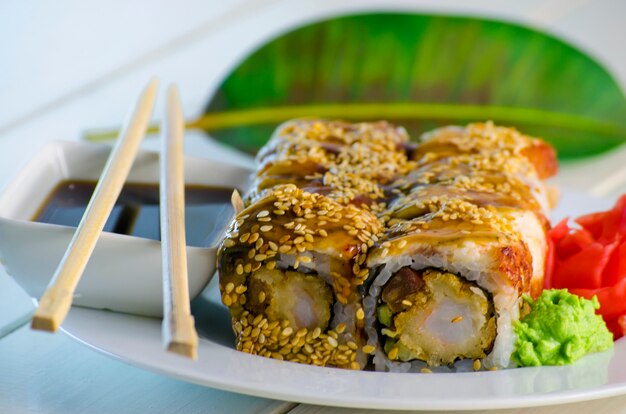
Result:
pixel 42 206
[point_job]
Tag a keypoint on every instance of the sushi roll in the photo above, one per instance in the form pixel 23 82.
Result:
pixel 292 273
pixel 292 266
pixel 354 241
pixel 464 239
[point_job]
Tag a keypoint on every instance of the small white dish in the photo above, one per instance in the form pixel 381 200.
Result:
pixel 124 271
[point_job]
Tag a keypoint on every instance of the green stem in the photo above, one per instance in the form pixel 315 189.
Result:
pixel 391 111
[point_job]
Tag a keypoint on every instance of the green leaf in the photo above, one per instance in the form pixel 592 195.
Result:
pixel 421 71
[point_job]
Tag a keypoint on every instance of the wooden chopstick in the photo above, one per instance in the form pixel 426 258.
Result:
pixel 57 299
pixel 179 333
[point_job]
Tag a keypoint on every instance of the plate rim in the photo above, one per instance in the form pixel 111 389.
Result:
pixel 338 400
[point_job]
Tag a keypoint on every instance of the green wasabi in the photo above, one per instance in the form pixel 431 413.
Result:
pixel 559 329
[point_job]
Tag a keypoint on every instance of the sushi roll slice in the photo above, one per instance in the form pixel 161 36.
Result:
pixel 464 239
pixel 292 273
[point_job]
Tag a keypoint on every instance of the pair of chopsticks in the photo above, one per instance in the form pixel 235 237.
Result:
pixel 179 334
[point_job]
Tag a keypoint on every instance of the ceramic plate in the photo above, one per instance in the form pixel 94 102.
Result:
pixel 137 340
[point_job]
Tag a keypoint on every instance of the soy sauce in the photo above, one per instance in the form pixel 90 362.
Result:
pixel 136 212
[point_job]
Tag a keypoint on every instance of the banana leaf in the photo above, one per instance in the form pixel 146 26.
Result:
pixel 421 71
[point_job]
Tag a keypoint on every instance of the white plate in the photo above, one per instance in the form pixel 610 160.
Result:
pixel 137 340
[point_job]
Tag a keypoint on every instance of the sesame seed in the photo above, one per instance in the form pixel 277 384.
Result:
pixel 241 289
pixel 476 365
pixel 229 287
pixel 407 303
pixel 369 349
pixel 226 300
pixel 261 297
pixel 263 213
pixel 360 315
pixel 456 319
pixel 239 269
pixel 340 328
pixel 332 341
pixel 266 228
pixel 287 331
pixel 426 371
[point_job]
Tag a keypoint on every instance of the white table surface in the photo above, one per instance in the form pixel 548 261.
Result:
pixel 70 65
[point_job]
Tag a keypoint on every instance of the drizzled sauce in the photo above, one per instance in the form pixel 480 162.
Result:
pixel 136 212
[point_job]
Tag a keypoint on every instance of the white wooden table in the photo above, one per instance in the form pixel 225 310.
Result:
pixel 69 65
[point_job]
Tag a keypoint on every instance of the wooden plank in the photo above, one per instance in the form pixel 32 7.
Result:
pixel 82 63
pixel 42 373
pixel 615 405
pixel 16 308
